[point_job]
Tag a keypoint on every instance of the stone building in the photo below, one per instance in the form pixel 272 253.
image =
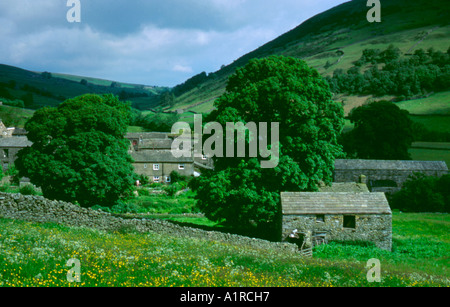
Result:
pixel 157 165
pixel 152 155
pixel 342 216
pixel 12 140
pixel 385 176
pixel 9 147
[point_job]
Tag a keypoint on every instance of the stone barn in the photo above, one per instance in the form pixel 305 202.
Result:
pixel 339 216
pixel 384 175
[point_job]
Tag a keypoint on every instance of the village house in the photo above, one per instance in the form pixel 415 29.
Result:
pixel 152 155
pixel 383 175
pixel 151 152
pixel 9 147
pixel 337 216
pixel 12 140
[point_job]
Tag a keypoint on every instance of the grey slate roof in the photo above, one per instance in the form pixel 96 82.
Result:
pixel 147 135
pixel 156 144
pixel 15 142
pixel 158 156
pixel 345 187
pixel 390 165
pixel 300 203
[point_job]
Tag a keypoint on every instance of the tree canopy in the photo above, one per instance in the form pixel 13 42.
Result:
pixel 274 89
pixel 415 75
pixel 79 153
pixel 382 131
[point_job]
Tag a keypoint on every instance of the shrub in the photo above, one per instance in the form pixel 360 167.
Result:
pixel 423 194
pixel 177 177
pixel 28 190
pixel 172 189
pixel 143 192
pixel 124 207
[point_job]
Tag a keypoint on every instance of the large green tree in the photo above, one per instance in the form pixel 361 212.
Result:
pixel 382 131
pixel 275 89
pixel 79 153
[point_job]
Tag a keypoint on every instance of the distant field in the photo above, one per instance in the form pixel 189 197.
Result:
pixel 15 117
pixel 95 81
pixel 432 145
pixel 436 104
pixel 423 154
pixel 434 122
pixel 431 151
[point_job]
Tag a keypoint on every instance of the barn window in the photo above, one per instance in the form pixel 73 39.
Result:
pixel 350 221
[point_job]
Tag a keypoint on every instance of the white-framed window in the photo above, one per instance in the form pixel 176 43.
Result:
pixel 156 167
pixel 168 179
pixel 181 166
pixel 156 178
pixel 204 157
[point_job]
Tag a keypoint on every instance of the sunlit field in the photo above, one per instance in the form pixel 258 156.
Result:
pixel 37 255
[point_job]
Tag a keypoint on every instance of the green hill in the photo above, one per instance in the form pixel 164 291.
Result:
pixel 50 89
pixel 334 40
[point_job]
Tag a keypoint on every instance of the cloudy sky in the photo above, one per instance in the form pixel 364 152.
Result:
pixel 152 42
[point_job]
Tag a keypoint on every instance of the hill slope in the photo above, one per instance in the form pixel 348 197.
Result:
pixel 335 39
pixel 50 89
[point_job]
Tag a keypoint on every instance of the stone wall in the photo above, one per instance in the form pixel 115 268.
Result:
pixel 398 176
pixel 385 176
pixel 370 228
pixel 41 210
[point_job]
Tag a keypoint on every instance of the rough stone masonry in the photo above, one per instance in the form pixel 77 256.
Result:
pixel 41 210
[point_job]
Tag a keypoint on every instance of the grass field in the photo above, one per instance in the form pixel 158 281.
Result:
pixel 36 255
pixel 427 154
pixel 438 103
pixel 430 151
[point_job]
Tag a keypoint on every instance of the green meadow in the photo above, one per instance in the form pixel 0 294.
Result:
pixel 35 255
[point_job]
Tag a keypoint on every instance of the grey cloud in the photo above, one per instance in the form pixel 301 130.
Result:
pixel 156 42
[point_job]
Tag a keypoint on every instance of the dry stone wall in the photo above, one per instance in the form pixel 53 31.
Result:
pixel 42 210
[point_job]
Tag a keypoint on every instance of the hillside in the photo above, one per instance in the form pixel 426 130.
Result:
pixel 334 40
pixel 50 89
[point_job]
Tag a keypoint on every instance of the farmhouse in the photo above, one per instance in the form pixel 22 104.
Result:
pixel 152 155
pixel 151 152
pixel 385 176
pixel 9 147
pixel 338 216
pixel 12 140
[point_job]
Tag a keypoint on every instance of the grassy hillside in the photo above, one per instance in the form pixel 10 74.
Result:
pixel 36 255
pixel 50 89
pixel 336 38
